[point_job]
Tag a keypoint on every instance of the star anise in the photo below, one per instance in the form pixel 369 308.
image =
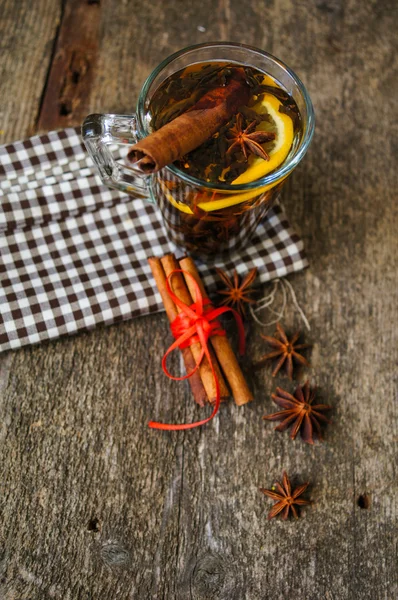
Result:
pixel 299 412
pixel 286 350
pixel 249 140
pixel 285 499
pixel 237 294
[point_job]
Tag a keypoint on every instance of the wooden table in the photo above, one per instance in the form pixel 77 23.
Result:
pixel 96 506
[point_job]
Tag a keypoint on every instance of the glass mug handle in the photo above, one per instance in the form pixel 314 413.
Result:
pixel 99 133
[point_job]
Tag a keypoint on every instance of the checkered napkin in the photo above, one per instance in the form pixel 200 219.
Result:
pixel 73 254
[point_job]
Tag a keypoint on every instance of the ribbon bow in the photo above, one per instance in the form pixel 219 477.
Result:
pixel 196 323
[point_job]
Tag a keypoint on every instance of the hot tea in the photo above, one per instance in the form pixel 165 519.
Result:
pixel 255 141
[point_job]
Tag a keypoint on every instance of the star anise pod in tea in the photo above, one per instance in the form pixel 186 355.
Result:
pixel 237 293
pixel 299 412
pixel 285 498
pixel 285 351
pixel 247 139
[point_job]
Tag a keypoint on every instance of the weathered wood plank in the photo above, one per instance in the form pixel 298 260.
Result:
pixel 26 41
pixel 72 70
pixel 95 505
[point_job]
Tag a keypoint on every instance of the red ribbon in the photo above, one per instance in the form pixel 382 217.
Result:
pixel 196 323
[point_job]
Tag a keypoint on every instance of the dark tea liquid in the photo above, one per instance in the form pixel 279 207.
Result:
pixel 252 144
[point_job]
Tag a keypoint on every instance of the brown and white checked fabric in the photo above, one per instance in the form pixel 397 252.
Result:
pixel 73 254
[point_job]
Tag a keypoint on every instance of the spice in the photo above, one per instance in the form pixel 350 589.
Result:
pixel 237 294
pixel 285 498
pixel 285 349
pixel 194 325
pixel 299 412
pixel 247 139
pixel 193 127
pixel 225 355
pixel 198 390
pixel 179 288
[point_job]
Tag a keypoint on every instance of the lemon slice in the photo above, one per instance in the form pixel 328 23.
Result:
pixel 282 126
pixel 267 80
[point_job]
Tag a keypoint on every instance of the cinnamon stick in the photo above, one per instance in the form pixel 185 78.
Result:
pixel 179 288
pixel 192 128
pixel 198 390
pixel 226 356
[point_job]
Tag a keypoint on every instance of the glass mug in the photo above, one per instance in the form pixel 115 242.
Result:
pixel 202 217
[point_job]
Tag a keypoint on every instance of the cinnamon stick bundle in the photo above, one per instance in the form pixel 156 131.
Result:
pixel 192 128
pixel 220 343
pixel 198 390
pixel 180 289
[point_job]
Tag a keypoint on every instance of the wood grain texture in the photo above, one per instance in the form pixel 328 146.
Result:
pixel 73 66
pixel 26 43
pixel 93 504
